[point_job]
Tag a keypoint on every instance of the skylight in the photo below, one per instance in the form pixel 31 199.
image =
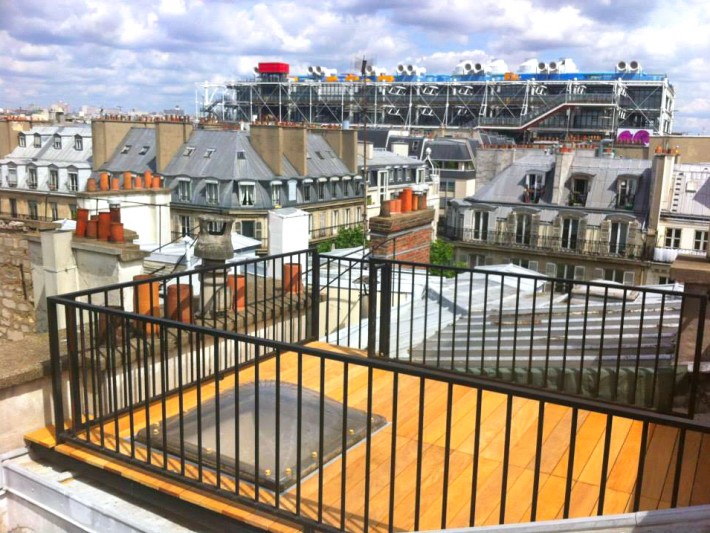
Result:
pixel 125 148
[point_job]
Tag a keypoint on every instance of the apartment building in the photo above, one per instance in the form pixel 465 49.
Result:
pixel 40 177
pixel 569 215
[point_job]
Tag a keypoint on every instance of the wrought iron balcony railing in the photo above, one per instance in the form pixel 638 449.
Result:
pixel 212 378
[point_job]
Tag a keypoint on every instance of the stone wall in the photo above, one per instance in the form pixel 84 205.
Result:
pixel 17 315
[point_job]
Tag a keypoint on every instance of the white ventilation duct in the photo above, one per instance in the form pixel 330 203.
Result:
pixel 372 70
pixel 478 68
pixel 328 71
pixel 529 66
pixel 497 66
pixel 542 67
pixel 401 69
pixel 634 66
pixel 621 66
pixel 256 70
pixel 414 70
pixel 463 68
pixel 552 67
pixel 566 65
pixel 312 69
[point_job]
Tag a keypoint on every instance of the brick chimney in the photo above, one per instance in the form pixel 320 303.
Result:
pixel 107 134
pixel 272 143
pixel 402 236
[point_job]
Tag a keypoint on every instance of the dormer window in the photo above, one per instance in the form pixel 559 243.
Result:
pixel 276 193
pixel 578 194
pixel 209 152
pixel 78 142
pixel 188 151
pixel 126 148
pixel 57 142
pixel 143 150
pixel 21 140
pixel 37 140
pixel 32 178
pixel 241 155
pixel 534 187
pixel 626 193
pixel 246 193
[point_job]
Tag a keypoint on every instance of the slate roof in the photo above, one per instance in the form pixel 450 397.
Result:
pixel 46 154
pixel 450 150
pixel 693 196
pixel 133 160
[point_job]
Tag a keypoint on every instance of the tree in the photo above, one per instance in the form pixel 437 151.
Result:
pixel 441 253
pixel 346 238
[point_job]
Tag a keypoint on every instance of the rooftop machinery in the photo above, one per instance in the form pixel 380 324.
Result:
pixel 541 99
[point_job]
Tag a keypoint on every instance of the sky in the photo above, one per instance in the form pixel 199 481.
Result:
pixel 152 55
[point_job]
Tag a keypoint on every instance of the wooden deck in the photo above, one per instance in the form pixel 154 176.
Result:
pixel 625 443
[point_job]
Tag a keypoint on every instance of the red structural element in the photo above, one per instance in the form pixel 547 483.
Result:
pixel 117 232
pixel 157 182
pixel 92 229
pixel 273 68
pixel 237 284
pixel 178 302
pixel 127 181
pixel 138 182
pixel 82 217
pixel 292 277
pixel 115 211
pixel 386 208
pixel 104 226
pixel 146 301
pixel 395 206
pixel 415 202
pixel 148 179
pixel 115 184
pixel 104 181
pixel 406 197
pixel 91 185
pixel 422 202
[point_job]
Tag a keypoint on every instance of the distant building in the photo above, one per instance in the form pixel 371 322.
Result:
pixel 568 215
pixel 40 177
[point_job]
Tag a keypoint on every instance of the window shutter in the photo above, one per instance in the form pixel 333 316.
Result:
pixel 257 230
pixel 579 273
pixel 629 277
pixel 532 265
pixel 598 273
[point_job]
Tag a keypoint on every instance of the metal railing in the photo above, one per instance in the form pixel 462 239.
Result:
pixel 172 394
pixel 572 244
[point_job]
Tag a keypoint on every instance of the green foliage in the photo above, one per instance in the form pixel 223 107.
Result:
pixel 442 254
pixel 346 238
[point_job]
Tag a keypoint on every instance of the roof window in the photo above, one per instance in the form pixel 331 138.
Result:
pixel 209 152
pixel 188 151
pixel 126 148
pixel 144 150
pixel 241 154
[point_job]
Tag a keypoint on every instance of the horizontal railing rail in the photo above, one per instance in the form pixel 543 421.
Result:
pixel 572 244
pixel 338 441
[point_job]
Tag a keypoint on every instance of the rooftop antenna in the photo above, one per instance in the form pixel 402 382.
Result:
pixel 363 113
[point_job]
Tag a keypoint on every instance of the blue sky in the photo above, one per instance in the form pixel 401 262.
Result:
pixel 151 55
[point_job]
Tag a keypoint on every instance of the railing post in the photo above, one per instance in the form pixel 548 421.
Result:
pixel 315 294
pixel 703 301
pixel 372 307
pixel 56 365
pixel 73 356
pixel 385 309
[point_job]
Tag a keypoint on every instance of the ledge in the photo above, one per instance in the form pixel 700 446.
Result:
pixel 691 269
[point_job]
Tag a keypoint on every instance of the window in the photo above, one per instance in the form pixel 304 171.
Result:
pixel 334 220
pixel 188 151
pixel 37 140
pixel 54 210
pixel 420 175
pixel 618 237
pixel 215 228
pixel 320 155
pixel 250 228
pixel 73 183
pixel 21 140
pixel 212 193
pixel 611 274
pixel 32 206
pixel 13 208
pixel 307 192
pixel 626 193
pixel 672 237
pixel 246 194
pixel 535 188
pixel 126 148
pixel 53 183
pixel 12 176
pixel 184 190
pixel 480 225
pixel 333 189
pixel 346 218
pixel 570 228
pixel 578 195
pixel 72 211
pixel 209 152
pixel 57 142
pixel 276 193
pixel 143 150
pixel 78 142
pixel 358 215
pixel 701 240
pixel 321 224
pixel 359 188
pixel 523 224
pixel 321 190
pixel 32 178
pixel 241 155
pixel 185 226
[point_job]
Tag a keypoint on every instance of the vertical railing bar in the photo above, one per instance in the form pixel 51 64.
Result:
pixel 484 320
pixel 441 306
pixel 299 428
pixel 368 450
pixel 476 453
pixel 453 324
pixel 515 329
pixel 447 454
pixel 637 363
pixel 538 460
pixel 500 324
pixel 657 358
pixel 532 332
pixel 468 326
pixel 617 379
pixel 570 462
pixel 506 458
pixel 277 460
pixel 218 413
pixel 549 334
pixel 411 318
pixel 321 436
pixel 699 343
pixel 426 312
pixel 678 345
pixel 605 465
pixel 199 349
pixel 55 361
pixel 393 450
pixel 420 443
pixel 584 340
pixel 597 388
pixel 343 446
pixel 257 414
pixel 678 468
pixel 84 376
pixel 561 379
pixel 641 466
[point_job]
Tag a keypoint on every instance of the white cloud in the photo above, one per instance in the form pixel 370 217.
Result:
pixel 141 54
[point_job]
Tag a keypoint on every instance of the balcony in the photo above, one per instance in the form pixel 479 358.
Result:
pixel 544 243
pixel 373 394
pixel 668 255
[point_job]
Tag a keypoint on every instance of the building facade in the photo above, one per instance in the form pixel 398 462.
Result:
pixel 40 177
